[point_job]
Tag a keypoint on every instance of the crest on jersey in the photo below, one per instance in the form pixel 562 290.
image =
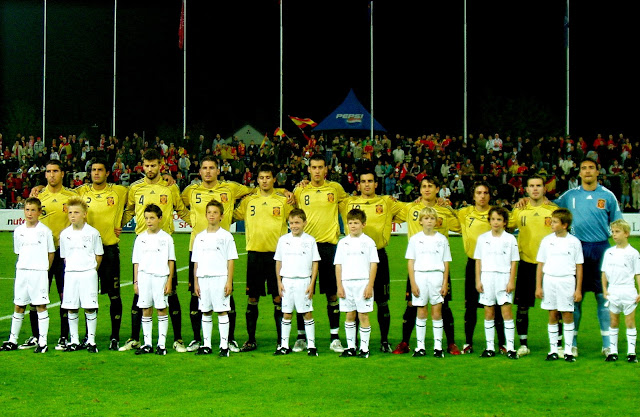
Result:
pixel 110 201
pixel 224 198
pixel 438 221
pixel 601 204
pixel 331 197
pixel 547 221
pixel 163 199
pixel 276 211
pixel 379 209
pixel 65 209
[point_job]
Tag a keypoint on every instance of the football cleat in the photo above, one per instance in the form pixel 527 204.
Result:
pixel 83 343
pixel 612 357
pixel 632 359
pixel 30 343
pixel 438 353
pixel 403 347
pixel 282 351
pixel 312 352
pixel 467 349
pixel 224 353
pixel 419 353
pixel 41 349
pixel 336 346
pixel 488 353
pixel 453 349
pixel 552 357
pixel 364 354
pixel 561 352
pixel 523 350
pixel 143 350
pixel 194 346
pixel 162 351
pixel 114 345
pixel 248 346
pixel 569 358
pixel 129 345
pixel 179 346
pixel 385 348
pixel 233 346
pixel 72 347
pixel 7 346
pixel 512 354
pixel 300 345
pixel 348 353
pixel 62 343
pixel 204 350
pixel 92 348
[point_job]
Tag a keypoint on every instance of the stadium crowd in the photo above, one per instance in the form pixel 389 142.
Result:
pixel 400 162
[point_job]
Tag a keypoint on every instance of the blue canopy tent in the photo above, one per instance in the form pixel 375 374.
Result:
pixel 350 115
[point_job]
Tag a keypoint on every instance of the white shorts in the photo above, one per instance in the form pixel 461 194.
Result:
pixel 151 291
pixel 354 297
pixel 80 290
pixel 558 293
pixel 212 296
pixel 430 284
pixel 622 299
pixel 495 289
pixel 31 287
pixel 294 296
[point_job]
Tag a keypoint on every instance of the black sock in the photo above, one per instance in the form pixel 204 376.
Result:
pixel 499 321
pixel 447 321
pixel 277 316
pixel 196 318
pixel 470 320
pixel 115 310
pixel 333 311
pixel 232 319
pixel 522 323
pixel 560 333
pixel 64 323
pixel 176 316
pixel 408 322
pixel 384 321
pixel 33 319
pixel 302 334
pixel 252 321
pixel 136 319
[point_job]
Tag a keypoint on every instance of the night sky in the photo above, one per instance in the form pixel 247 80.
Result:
pixel 515 55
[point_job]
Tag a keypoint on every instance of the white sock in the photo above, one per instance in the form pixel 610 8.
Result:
pixel 510 334
pixel 223 329
pixel 310 330
pixel 147 330
pixel 163 328
pixel 421 333
pixel 365 334
pixel 567 334
pixel 43 327
pixel 490 334
pixel 207 330
pixel 73 327
pixel 285 330
pixel 350 332
pixel 92 325
pixel 437 334
pixel 613 339
pixel 553 338
pixel 16 325
pixel 632 335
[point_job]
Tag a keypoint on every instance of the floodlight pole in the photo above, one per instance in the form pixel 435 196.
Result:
pixel 44 76
pixel 371 63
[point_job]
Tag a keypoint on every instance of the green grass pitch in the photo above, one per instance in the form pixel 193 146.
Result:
pixel 257 383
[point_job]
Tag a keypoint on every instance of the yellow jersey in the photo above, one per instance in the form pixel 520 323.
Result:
pixel 106 208
pixel 447 219
pixel 54 210
pixel 265 220
pixel 321 206
pixel 473 223
pixel 533 224
pixel 380 211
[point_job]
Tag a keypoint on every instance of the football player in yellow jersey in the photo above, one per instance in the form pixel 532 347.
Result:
pixel 153 189
pixel 447 221
pixel 381 212
pixel 534 223
pixel 106 203
pixel 265 215
pixel 320 199
pixel 474 221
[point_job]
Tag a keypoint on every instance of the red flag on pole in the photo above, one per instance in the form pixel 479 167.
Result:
pixel 181 28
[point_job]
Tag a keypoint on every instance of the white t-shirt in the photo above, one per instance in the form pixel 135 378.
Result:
pixel 621 265
pixel 297 255
pixel 560 255
pixel 212 251
pixel 152 252
pixel 79 248
pixel 429 252
pixel 356 254
pixel 33 246
pixel 496 252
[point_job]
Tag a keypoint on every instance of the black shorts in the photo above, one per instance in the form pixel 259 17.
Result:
pixel 326 269
pixel 471 294
pixel 381 284
pixel 109 271
pixel 261 267
pixel 57 271
pixel 525 295
pixel 591 276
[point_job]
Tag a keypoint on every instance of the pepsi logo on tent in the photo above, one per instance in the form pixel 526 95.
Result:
pixel 351 118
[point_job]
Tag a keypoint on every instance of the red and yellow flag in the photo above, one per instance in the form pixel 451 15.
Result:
pixel 303 122
pixel 279 132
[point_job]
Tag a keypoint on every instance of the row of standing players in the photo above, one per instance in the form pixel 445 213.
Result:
pixel 112 205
